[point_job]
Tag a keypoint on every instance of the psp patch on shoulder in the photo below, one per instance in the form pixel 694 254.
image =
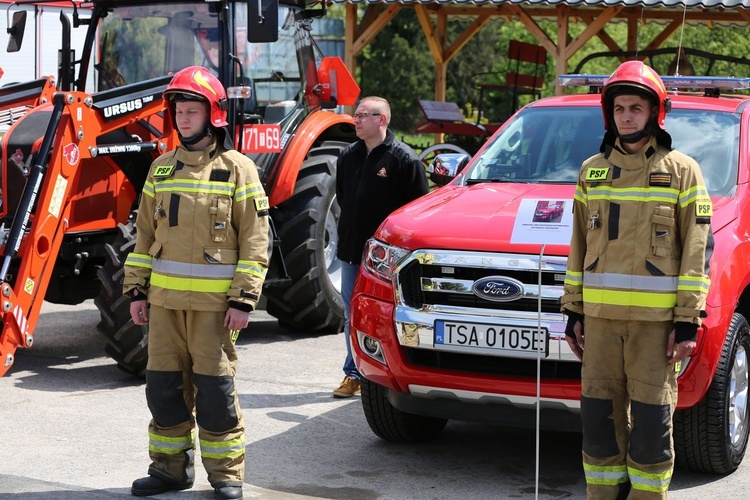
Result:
pixel 162 171
pixel 703 209
pixel 596 174
pixel 261 203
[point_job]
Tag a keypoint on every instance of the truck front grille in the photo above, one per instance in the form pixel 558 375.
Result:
pixel 466 271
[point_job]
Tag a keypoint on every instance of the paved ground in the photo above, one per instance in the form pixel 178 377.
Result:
pixel 73 427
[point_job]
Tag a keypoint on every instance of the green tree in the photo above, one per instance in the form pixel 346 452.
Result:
pixel 398 66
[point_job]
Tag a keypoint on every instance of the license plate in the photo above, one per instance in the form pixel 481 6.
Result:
pixel 500 340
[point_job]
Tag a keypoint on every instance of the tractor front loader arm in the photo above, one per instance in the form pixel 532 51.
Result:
pixel 42 217
pixel 16 324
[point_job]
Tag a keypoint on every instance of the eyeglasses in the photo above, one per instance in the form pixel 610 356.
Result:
pixel 360 116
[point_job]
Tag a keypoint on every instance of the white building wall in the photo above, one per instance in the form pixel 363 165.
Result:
pixel 42 40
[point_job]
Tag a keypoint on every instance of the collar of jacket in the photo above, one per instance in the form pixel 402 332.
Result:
pixel 632 161
pixel 197 158
pixel 389 139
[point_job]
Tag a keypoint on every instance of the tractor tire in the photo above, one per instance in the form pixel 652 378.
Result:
pixel 711 437
pixel 392 424
pixel 307 226
pixel 127 343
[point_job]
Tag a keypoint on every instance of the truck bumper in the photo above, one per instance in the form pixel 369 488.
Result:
pixel 448 393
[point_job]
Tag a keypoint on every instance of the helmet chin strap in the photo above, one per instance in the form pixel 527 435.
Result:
pixel 194 139
pixel 634 137
pixel 640 135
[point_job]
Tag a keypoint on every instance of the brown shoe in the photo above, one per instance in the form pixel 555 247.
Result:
pixel 348 388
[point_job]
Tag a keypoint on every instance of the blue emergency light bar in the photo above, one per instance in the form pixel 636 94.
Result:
pixel 671 82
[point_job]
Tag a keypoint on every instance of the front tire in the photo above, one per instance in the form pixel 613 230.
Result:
pixel 392 424
pixel 127 343
pixel 307 225
pixel 712 436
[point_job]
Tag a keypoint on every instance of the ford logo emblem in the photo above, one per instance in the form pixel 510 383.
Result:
pixel 498 288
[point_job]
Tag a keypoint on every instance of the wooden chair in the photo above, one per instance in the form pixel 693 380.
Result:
pixel 524 76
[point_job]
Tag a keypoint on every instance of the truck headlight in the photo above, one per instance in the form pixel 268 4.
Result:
pixel 381 259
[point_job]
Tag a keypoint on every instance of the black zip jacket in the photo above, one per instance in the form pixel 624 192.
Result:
pixel 370 187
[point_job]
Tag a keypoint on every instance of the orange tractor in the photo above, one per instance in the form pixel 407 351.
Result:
pixel 74 163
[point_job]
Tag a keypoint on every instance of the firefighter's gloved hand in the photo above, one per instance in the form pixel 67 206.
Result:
pixel 681 342
pixel 574 333
pixel 569 327
pixel 685 331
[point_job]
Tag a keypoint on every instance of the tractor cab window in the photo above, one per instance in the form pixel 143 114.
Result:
pixel 142 42
pixel 273 69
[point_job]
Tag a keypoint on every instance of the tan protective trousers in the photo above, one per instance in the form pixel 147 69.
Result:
pixel 628 397
pixel 190 377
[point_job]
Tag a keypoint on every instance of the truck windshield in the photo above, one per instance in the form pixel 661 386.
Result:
pixel 550 144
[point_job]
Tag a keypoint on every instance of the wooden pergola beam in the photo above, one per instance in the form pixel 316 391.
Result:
pixel 358 34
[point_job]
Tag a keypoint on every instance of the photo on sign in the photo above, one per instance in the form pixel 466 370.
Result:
pixel 549 211
pixel 543 221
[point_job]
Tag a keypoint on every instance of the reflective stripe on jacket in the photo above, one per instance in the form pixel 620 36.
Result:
pixel 641 237
pixel 202 231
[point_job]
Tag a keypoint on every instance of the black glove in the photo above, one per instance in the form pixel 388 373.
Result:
pixel 685 331
pixel 572 318
pixel 135 295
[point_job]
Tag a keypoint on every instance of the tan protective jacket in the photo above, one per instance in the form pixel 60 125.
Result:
pixel 641 237
pixel 202 232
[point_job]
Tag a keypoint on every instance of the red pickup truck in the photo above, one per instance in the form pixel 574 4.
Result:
pixel 455 311
pixel 548 213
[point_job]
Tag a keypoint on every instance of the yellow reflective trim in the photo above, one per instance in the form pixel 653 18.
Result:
pixel 223 449
pixel 597 174
pixel 694 284
pixel 646 481
pixel 195 186
pixel 138 260
pixel 252 268
pixel 168 445
pixel 578 195
pixel 630 298
pixel 695 193
pixel 574 278
pixel 645 195
pixel 148 189
pixel 610 475
pixel 190 284
pixel 249 191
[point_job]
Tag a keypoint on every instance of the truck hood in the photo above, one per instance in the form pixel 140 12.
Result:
pixel 482 217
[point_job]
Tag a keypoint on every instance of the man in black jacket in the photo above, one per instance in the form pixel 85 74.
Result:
pixel 374 176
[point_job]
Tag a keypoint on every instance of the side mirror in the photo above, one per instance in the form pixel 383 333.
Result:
pixel 444 168
pixel 16 30
pixel 263 21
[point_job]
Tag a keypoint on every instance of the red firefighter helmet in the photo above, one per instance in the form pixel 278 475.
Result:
pixel 197 83
pixel 635 78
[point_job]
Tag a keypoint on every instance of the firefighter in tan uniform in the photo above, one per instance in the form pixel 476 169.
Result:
pixel 199 261
pixel 635 288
